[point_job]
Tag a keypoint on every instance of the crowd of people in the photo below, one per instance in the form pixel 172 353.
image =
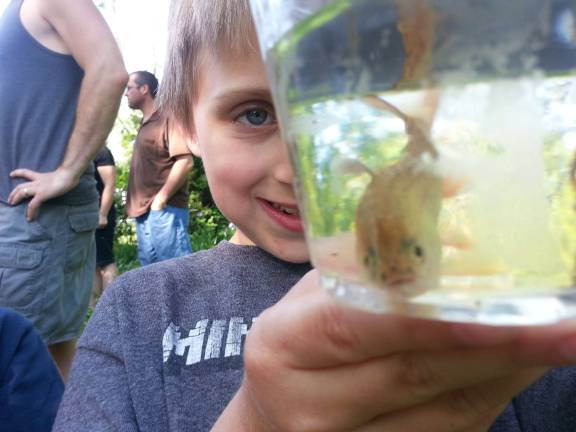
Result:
pixel 239 337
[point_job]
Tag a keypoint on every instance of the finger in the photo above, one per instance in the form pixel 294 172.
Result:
pixel 24 173
pixel 13 197
pixel 310 330
pixel 540 345
pixel 308 285
pixel 394 383
pixel 33 207
pixel 20 193
pixel 471 409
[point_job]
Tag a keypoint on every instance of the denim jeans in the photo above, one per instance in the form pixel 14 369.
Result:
pixel 162 234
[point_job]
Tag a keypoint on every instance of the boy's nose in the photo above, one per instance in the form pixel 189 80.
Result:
pixel 283 171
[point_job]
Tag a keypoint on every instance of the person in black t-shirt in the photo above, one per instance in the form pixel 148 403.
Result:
pixel 106 269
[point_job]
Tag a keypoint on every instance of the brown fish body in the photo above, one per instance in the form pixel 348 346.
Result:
pixel 396 228
pixel 397 217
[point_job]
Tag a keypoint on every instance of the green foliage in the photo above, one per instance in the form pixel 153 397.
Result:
pixel 125 240
pixel 207 225
pixel 129 130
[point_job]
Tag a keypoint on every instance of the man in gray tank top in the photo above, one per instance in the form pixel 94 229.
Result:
pixel 61 80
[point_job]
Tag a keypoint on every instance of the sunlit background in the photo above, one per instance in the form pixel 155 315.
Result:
pixel 139 27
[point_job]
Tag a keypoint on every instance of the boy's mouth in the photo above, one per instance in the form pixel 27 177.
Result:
pixel 285 215
pixel 291 210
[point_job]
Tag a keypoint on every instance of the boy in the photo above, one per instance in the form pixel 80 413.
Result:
pixel 163 350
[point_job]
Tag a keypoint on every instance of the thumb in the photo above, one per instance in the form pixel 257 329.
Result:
pixel 23 172
pixel 309 283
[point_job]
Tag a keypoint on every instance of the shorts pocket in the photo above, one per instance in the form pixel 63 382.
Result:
pixel 80 239
pixel 22 275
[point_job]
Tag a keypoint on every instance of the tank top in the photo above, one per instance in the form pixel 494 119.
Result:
pixel 39 91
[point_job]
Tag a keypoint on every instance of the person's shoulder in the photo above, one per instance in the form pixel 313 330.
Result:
pixel 218 260
pixel 104 157
pixel 12 321
pixel 157 117
pixel 14 328
pixel 21 343
pixel 198 271
pixel 166 274
pixel 176 265
pixel 30 385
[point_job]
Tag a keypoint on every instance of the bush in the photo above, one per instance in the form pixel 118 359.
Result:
pixel 207 225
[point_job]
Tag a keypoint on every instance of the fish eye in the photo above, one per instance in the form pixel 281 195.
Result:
pixel 418 251
pixel 369 257
pixel 411 247
pixel 366 260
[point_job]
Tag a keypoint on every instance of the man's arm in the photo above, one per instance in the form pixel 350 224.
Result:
pixel 176 179
pixel 84 31
pixel 108 176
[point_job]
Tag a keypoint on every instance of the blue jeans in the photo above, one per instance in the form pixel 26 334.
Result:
pixel 162 234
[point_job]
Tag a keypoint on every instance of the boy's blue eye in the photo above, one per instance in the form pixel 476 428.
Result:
pixel 256 117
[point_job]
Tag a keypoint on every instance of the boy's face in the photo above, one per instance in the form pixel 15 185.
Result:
pixel 246 162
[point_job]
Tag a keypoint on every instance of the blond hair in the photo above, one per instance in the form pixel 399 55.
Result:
pixel 198 28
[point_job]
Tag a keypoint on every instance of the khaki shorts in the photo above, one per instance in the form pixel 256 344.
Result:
pixel 47 266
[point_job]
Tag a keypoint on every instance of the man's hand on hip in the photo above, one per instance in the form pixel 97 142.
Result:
pixel 40 188
pixel 159 202
pixel 102 221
